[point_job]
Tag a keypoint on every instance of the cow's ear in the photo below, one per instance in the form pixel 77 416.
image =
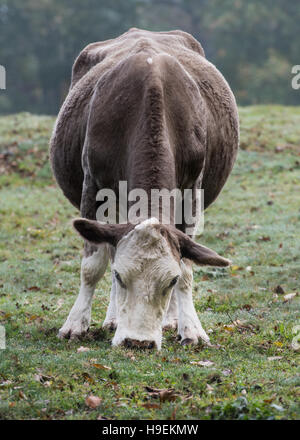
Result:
pixel 199 254
pixel 98 233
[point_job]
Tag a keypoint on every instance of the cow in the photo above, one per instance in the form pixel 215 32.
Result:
pixel 146 108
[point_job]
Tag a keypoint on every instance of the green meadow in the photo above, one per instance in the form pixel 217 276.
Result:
pixel 250 310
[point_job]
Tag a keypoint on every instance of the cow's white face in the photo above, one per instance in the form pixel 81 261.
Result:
pixel 146 271
pixel 146 266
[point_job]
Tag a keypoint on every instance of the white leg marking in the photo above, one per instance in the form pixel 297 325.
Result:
pixel 189 326
pixel 110 321
pixel 92 269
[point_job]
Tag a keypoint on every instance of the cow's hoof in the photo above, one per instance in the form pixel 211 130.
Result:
pixel 110 325
pixel 72 332
pixel 70 335
pixel 187 341
pixel 192 334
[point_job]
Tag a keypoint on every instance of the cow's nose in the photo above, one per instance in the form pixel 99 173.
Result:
pixel 134 343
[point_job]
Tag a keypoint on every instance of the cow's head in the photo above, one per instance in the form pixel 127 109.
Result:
pixel 147 267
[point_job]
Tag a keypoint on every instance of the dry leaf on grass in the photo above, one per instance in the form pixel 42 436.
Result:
pixel 93 401
pixel 274 358
pixel 289 296
pixel 82 349
pixel 227 372
pixel 22 395
pixel 87 377
pixel 162 394
pixel 271 399
pixel 241 326
pixel 43 379
pixel 229 328
pixel 102 367
pixel 203 363
pixel 151 405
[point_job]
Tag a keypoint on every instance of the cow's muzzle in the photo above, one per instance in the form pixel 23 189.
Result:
pixel 134 343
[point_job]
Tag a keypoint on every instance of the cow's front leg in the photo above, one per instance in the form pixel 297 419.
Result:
pixel 110 321
pixel 171 317
pixel 189 326
pixel 93 267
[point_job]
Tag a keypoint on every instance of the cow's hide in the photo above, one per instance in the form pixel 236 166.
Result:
pixel 149 109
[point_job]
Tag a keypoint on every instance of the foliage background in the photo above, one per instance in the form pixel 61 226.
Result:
pixel 253 43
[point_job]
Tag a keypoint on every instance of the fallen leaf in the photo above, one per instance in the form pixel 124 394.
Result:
pixel 289 296
pixel 271 399
pixel 22 395
pixel 227 372
pixel 87 377
pixel 246 307
pixel 235 268
pixel 162 394
pixel 102 367
pixel 229 328
pixel 34 318
pixel 151 405
pixel 130 355
pixel 274 358
pixel 43 379
pixel 82 349
pixel 264 238
pixel 93 401
pixel 203 363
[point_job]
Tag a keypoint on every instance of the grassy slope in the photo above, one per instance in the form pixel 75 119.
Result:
pixel 255 222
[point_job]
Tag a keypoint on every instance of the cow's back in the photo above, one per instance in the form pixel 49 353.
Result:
pixel 186 56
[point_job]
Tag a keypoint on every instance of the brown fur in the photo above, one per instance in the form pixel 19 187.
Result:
pixel 172 123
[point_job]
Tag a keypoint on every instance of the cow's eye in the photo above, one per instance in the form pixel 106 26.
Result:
pixel 119 279
pixel 174 281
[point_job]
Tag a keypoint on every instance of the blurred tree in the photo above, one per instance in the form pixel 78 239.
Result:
pixel 39 40
pixel 253 43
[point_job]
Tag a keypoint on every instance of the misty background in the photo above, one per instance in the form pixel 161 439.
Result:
pixel 253 43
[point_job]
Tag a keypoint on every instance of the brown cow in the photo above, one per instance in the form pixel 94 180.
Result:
pixel 148 109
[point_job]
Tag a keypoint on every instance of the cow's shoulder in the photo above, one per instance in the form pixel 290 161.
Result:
pixel 187 40
pixel 91 55
pixel 133 41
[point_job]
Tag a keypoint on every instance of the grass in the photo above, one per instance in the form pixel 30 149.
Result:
pixel 255 222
